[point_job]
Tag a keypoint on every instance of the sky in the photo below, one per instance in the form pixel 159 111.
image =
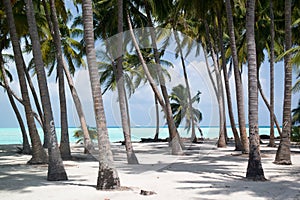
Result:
pixel 142 109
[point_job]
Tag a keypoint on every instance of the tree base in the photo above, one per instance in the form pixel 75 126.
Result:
pixel 107 179
pixel 59 176
pixel 36 161
pixel 257 178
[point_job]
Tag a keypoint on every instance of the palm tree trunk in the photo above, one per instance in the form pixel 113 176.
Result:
pixel 107 174
pixel 272 56
pixel 65 149
pixel 56 169
pixel 187 85
pixel 238 144
pixel 238 80
pixel 26 146
pixel 131 158
pixel 157 119
pixel 222 139
pixel 175 140
pixel 38 153
pixel 283 154
pixel 254 170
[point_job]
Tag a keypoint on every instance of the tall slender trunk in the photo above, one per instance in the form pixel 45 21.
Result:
pixel 56 170
pixel 38 153
pixel 272 57
pixel 238 144
pixel 86 137
pixel 65 149
pixel 131 158
pixel 222 139
pixel 175 140
pixel 254 169
pixel 156 136
pixel 187 85
pixel 107 174
pixel 26 146
pixel 238 80
pixel 283 154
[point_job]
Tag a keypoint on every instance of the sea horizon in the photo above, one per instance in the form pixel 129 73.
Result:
pixel 14 136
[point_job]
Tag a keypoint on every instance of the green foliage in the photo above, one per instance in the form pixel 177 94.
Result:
pixel 295 136
pixel 78 134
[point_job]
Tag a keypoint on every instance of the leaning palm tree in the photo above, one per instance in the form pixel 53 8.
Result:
pixel 283 154
pixel 254 170
pixel 38 154
pixel 56 169
pixel 181 107
pixel 107 173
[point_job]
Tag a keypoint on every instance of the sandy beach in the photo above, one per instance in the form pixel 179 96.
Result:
pixel 205 172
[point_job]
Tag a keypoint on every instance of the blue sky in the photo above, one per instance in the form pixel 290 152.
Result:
pixel 142 101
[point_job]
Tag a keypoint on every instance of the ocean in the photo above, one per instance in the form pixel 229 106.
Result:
pixel 13 135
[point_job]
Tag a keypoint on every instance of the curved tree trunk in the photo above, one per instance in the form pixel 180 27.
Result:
pixel 219 87
pixel 107 174
pixel 238 80
pixel 156 136
pixel 131 158
pixel 283 154
pixel 254 169
pixel 187 85
pixel 56 169
pixel 38 153
pixel 26 146
pixel 65 149
pixel 238 144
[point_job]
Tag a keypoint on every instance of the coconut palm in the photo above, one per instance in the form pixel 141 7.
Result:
pixel 181 109
pixel 107 174
pixel 238 80
pixel 283 154
pixel 38 153
pixel 254 169
pixel 296 114
pixel 56 169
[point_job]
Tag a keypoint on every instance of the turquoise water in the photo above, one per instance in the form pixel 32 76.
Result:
pixel 13 135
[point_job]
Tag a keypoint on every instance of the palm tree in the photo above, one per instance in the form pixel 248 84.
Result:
pixel 283 154
pixel 38 154
pixel 254 169
pixel 56 169
pixel 272 56
pixel 131 158
pixel 174 136
pixel 26 146
pixel 238 80
pixel 107 174
pixel 181 109
pixel 65 149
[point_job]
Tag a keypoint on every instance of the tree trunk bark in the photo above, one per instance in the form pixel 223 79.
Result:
pixel 238 80
pixel 238 144
pixel 65 149
pixel 283 154
pixel 157 119
pixel 39 155
pixel 131 158
pixel 107 174
pixel 272 57
pixel 56 169
pixel 175 140
pixel 26 146
pixel 254 169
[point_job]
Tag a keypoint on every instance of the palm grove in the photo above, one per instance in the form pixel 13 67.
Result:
pixel 248 33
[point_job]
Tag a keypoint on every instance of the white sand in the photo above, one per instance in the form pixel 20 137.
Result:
pixel 204 173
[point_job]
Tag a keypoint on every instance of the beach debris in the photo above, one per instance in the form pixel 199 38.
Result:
pixel 146 193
